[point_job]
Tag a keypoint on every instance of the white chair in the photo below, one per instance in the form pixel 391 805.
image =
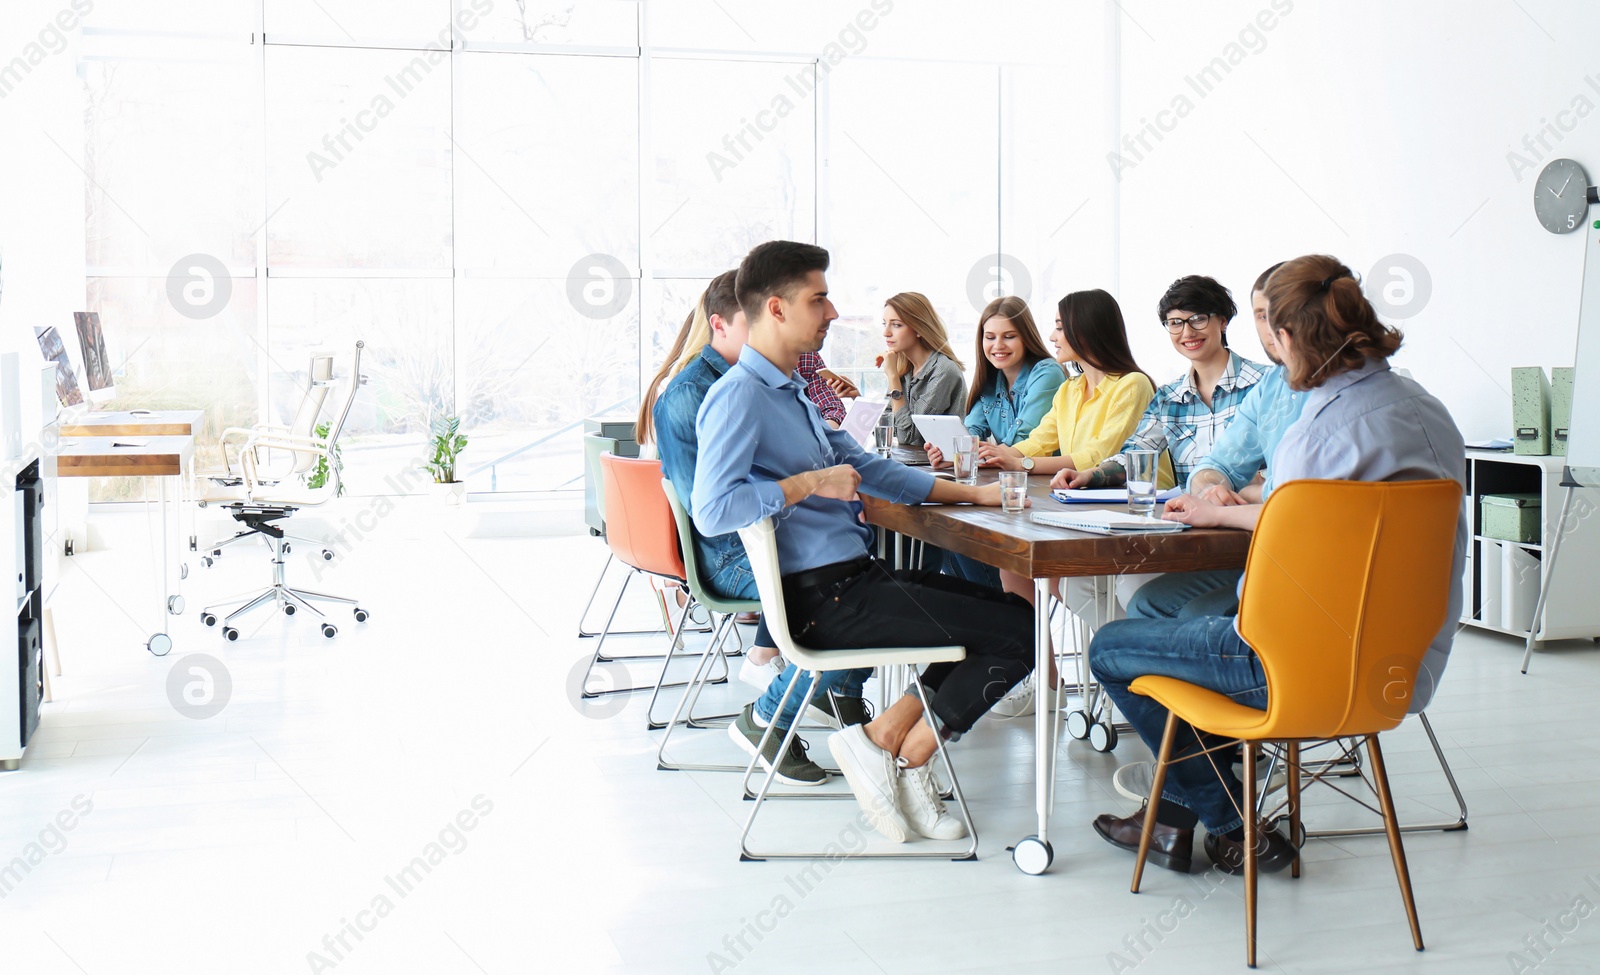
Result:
pixel 760 544
pixel 262 479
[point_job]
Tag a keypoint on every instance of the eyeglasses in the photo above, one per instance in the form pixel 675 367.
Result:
pixel 1196 322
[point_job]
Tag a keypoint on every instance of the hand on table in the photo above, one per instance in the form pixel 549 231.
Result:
pixel 1003 456
pixel 1193 511
pixel 1070 480
pixel 1221 494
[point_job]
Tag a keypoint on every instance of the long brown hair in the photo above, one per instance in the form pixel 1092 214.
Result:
pixel 691 339
pixel 1091 323
pixel 1014 310
pixel 917 311
pixel 1333 328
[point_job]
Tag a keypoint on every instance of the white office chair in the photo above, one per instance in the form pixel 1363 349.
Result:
pixel 259 485
pixel 761 545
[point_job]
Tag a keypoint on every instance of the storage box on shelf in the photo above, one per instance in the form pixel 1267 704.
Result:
pixel 1502 577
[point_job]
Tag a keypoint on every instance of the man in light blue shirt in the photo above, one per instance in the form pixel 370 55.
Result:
pixel 1359 421
pixel 1227 476
pixel 765 453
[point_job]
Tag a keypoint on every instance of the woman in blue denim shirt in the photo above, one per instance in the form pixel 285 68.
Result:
pixel 1015 382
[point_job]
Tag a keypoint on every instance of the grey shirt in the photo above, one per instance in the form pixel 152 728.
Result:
pixel 1370 424
pixel 937 388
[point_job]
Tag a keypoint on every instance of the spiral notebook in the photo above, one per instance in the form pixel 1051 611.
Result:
pixel 1107 522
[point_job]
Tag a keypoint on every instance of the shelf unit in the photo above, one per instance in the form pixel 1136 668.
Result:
pixel 22 533
pixel 1571 610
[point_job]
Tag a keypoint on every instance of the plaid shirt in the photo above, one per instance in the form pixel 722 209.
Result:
pixel 1179 422
pixel 817 389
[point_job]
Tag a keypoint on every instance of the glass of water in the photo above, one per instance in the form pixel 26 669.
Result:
pixel 1013 491
pixel 1141 468
pixel 965 459
pixel 884 433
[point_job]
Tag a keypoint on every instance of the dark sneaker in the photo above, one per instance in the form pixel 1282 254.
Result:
pixel 794 769
pixel 842 712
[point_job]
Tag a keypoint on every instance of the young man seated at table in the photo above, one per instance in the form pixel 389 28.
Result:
pixel 723 557
pixel 764 453
pixel 1359 421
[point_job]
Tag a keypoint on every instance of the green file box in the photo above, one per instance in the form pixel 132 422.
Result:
pixel 1511 517
pixel 1560 408
pixel 1530 410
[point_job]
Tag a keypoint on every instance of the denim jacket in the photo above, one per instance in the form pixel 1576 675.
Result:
pixel 1009 415
pixel 673 419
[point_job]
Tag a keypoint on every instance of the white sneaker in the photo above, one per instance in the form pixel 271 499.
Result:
pixel 1018 702
pixel 919 802
pixel 760 675
pixel 1134 779
pixel 871 773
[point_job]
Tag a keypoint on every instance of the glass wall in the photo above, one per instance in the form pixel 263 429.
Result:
pixel 513 202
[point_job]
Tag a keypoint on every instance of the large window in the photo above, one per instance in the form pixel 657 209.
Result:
pixel 515 202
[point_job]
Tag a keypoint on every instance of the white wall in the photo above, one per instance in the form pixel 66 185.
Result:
pixel 1364 128
pixel 41 182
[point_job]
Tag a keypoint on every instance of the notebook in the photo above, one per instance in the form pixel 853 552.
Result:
pixel 1105 495
pixel 1103 522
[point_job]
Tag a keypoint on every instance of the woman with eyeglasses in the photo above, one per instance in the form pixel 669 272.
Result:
pixel 1187 414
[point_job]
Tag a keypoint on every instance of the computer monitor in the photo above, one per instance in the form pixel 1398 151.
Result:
pixel 96 363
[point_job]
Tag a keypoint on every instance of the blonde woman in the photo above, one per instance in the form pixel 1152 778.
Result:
pixel 923 372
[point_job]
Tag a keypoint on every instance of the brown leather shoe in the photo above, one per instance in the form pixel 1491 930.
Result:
pixel 1170 847
pixel 749 619
pixel 1273 852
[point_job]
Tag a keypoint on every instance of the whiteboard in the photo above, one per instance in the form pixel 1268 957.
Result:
pixel 1583 430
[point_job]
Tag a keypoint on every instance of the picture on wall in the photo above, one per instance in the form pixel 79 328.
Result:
pixel 96 365
pixel 56 351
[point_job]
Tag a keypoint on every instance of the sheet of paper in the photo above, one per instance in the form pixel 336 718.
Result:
pixel 1105 522
pixel 859 419
pixel 1105 495
pixel 941 431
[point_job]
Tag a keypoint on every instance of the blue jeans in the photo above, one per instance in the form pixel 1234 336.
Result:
pixel 735 581
pixel 1214 592
pixel 1205 651
pixel 970 569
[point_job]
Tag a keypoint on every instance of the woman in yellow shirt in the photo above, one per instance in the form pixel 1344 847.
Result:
pixel 1090 419
pixel 1094 412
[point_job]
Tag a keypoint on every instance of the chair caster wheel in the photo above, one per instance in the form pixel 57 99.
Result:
pixel 1102 736
pixel 229 633
pixel 327 555
pixel 194 544
pixel 209 619
pixel 1032 855
pixel 175 605
pixel 183 571
pixel 361 615
pixel 67 549
pixel 287 548
pixel 159 644
pixel 289 609
pixel 206 561
pixel 1078 724
pixel 329 630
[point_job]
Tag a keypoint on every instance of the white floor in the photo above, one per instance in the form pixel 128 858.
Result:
pixel 445 728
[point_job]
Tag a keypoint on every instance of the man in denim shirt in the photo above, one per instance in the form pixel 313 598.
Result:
pixel 722 557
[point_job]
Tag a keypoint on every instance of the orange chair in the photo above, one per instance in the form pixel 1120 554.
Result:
pixel 1346 585
pixel 643 536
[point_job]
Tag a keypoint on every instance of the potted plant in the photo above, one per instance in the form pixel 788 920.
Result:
pixel 317 477
pixel 448 442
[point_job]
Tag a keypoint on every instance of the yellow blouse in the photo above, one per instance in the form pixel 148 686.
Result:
pixel 1092 426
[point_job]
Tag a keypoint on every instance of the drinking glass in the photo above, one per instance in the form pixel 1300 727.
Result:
pixel 1013 491
pixel 884 433
pixel 965 459
pixel 1141 468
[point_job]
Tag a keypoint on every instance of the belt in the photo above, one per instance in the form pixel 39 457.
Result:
pixel 824 575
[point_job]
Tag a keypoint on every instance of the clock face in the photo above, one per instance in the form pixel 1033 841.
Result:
pixel 1561 197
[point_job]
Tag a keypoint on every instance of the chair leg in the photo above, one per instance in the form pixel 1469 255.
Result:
pixel 610 557
pixel 684 714
pixel 1157 783
pixel 1293 770
pixel 950 769
pixel 1251 837
pixel 1397 851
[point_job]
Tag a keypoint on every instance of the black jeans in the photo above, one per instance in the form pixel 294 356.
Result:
pixel 884 607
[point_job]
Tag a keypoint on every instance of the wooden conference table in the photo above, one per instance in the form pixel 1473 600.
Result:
pixel 1014 543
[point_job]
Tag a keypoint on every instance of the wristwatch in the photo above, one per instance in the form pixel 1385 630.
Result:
pixel 1027 463
pixel 897 394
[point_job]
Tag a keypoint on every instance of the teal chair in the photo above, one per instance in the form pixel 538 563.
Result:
pixel 723 612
